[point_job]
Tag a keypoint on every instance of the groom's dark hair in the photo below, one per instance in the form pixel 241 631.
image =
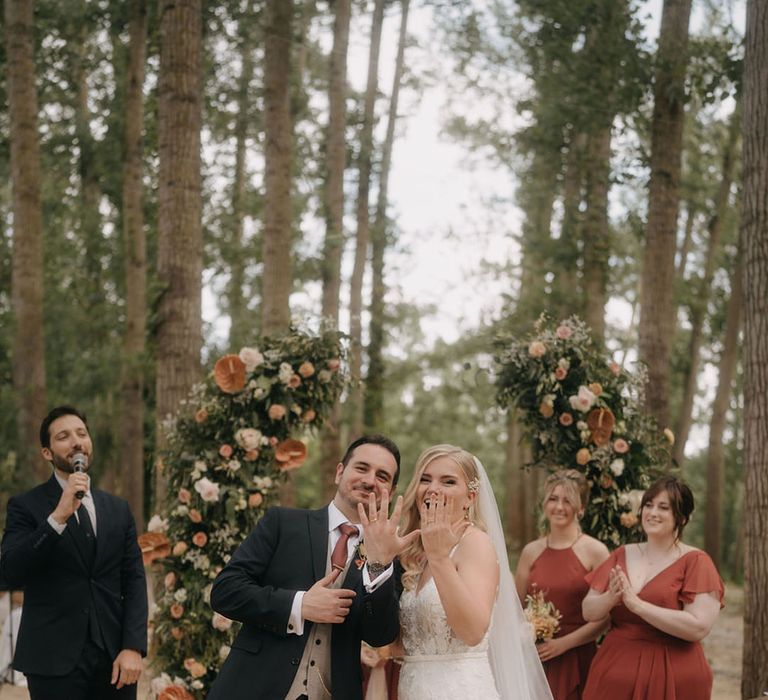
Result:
pixel 382 441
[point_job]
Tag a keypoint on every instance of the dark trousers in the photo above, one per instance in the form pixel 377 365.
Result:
pixel 89 680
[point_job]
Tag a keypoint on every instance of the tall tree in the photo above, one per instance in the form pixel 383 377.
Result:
pixel 657 311
pixel 374 390
pixel 277 280
pixel 702 286
pixel 713 523
pixel 179 249
pixel 131 436
pixel 333 204
pixel 754 247
pixel 364 162
pixel 27 352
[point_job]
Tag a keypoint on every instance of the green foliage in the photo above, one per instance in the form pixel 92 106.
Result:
pixel 227 450
pixel 581 411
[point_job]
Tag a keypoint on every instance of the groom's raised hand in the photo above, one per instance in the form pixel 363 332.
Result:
pixel 382 534
pixel 323 604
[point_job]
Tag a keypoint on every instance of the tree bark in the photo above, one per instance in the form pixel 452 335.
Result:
pixel 713 522
pixel 333 201
pixel 27 349
pixel 596 230
pixel 179 250
pixel 754 247
pixel 700 298
pixel 374 394
pixel 657 311
pixel 365 158
pixel 567 251
pixel 241 325
pixel 514 500
pixel 131 435
pixel 277 279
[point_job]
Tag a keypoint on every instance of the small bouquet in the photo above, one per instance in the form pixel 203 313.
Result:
pixel 542 615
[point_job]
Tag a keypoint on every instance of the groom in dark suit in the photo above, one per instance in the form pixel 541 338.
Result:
pixel 73 550
pixel 306 595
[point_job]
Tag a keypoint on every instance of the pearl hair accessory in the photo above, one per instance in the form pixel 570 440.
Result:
pixel 474 485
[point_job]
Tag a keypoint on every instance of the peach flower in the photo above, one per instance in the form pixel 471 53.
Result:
pixel 255 500
pixel 620 446
pixel 184 496
pixel 177 610
pixel 220 622
pixel 615 368
pixel 334 364
pixel 628 519
pixel 201 415
pixel 563 332
pixel 306 369
pixel 170 581
pixel 251 455
pixel 277 411
pixel 295 381
pixel 225 451
pixel 561 373
pixel 583 456
pixel 566 419
pixel 199 539
pixel 179 548
pixel 194 516
pixel 537 349
pixel 308 416
pixel 546 409
pixel 596 388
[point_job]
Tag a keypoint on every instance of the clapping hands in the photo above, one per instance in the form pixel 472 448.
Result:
pixel 622 590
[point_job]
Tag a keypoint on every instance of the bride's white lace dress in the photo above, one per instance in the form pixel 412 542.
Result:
pixel 437 665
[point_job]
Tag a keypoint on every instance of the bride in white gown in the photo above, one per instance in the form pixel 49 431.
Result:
pixel 462 627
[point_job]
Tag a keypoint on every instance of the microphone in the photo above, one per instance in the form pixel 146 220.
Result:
pixel 79 463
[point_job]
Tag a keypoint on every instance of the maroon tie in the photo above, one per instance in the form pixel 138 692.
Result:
pixel 339 554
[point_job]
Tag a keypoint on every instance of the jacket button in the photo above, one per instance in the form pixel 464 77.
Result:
pixel 294 661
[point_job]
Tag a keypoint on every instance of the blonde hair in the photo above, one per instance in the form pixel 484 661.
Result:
pixel 574 485
pixel 412 557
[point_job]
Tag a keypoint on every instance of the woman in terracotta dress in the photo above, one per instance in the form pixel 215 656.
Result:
pixel 556 565
pixel 663 597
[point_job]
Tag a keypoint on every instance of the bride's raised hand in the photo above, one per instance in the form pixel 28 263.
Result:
pixel 438 534
pixel 382 534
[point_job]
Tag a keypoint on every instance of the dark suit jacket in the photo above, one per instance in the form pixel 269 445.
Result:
pixel 287 552
pixel 60 591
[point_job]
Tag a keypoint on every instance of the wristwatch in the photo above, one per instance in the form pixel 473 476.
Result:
pixel 377 568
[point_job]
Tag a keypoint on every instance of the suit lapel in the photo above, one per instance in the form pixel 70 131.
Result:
pixel 103 522
pixel 317 521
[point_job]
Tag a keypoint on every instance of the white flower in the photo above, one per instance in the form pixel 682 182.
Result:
pixel 248 438
pixel 197 684
pixel 207 593
pixel 200 466
pixel 582 425
pixel 157 524
pixel 224 652
pixel 251 358
pixel 160 683
pixel 295 408
pixel 285 372
pixel 543 438
pixel 208 490
pixel 181 595
pixel 258 393
pixel 182 510
pixel 617 467
pixel 220 622
pixel 582 401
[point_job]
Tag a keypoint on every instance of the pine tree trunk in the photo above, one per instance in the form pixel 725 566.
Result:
pixel 514 499
pixel 596 231
pixel 27 349
pixel 131 435
pixel 241 323
pixel 657 311
pixel 374 390
pixel 179 250
pixel 277 279
pixel 365 158
pixel 754 247
pixel 713 523
pixel 333 199
pixel 701 297
pixel 571 230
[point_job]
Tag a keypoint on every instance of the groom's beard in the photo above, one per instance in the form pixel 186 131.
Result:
pixel 64 465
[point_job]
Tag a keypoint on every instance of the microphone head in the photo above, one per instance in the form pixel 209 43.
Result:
pixel 79 462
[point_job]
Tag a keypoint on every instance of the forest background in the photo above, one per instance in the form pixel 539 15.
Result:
pixel 181 178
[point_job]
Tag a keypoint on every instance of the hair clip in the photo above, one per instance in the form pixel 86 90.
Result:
pixel 474 485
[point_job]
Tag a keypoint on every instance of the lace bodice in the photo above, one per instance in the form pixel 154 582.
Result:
pixel 425 627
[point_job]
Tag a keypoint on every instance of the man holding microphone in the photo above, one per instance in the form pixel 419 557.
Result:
pixel 74 552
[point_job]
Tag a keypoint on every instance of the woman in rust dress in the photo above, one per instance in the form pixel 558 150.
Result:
pixel 663 597
pixel 556 565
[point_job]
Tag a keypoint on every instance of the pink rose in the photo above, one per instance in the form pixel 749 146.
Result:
pixel 628 520
pixel 177 610
pixel 199 539
pixel 251 455
pixel 220 622
pixel 255 500
pixel 620 446
pixel 177 633
pixel 184 496
pixel 201 415
pixel 546 409
pixel 208 490
pixel 615 368
pixel 225 451
pixel 273 441
pixel 179 548
pixel 277 411
pixel 295 381
pixel 561 373
pixel 251 358
pixel 582 401
pixel 566 419
pixel 194 516
pixel 537 349
pixel 170 581
pixel 306 369
pixel 563 332
pixel 334 364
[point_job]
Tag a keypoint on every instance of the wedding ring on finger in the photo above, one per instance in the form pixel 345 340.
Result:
pixel 373 520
